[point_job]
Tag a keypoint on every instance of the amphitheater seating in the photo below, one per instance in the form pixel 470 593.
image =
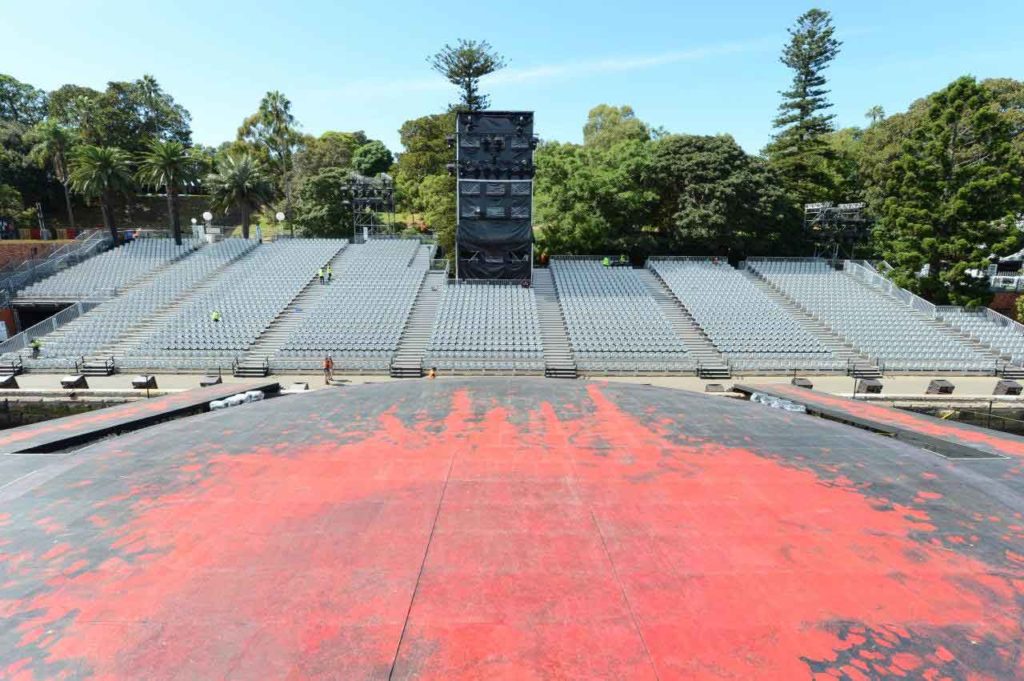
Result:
pixel 105 273
pixel 1003 336
pixel 876 323
pixel 249 295
pixel 485 327
pixel 360 319
pixel 613 323
pixel 109 321
pixel 750 329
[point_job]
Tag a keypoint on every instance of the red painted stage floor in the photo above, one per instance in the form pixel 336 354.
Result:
pixel 510 529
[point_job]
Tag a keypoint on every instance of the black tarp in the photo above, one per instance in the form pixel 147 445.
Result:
pixel 494 235
pixel 494 267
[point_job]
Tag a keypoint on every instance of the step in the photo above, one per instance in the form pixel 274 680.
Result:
pixel 835 343
pixel 559 361
pixel 685 326
pixel 407 362
pixel 131 338
pixel 277 333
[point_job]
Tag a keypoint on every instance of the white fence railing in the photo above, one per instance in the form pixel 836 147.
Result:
pixel 878 281
pixel 49 325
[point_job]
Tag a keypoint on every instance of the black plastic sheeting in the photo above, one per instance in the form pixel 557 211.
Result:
pixel 494 235
pixel 482 267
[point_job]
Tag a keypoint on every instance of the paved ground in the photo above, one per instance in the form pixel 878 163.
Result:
pixel 840 385
pixel 978 386
pixel 511 529
pixel 35 381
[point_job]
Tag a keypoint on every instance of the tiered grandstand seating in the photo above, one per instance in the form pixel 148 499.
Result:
pixel 103 274
pixel 482 326
pixel 743 323
pixel 613 323
pixel 1002 335
pixel 878 324
pixel 359 321
pixel 253 293
pixel 106 323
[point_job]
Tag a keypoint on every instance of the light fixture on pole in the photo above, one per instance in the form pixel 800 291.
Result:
pixel 280 218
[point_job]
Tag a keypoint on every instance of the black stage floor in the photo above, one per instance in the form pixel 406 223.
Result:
pixel 948 438
pixel 510 529
pixel 57 434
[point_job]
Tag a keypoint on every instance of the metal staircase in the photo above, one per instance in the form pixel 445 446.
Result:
pixel 835 344
pixel 133 337
pixel 858 364
pixel 255 363
pixel 983 349
pixel 558 358
pixel 408 359
pixel 710 363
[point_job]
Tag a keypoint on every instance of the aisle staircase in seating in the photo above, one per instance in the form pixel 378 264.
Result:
pixel 105 359
pixel 255 363
pixel 710 363
pixel 943 328
pixel 559 361
pixel 836 344
pixel 408 359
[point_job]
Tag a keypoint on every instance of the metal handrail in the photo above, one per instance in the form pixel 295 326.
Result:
pixel 687 258
pixel 881 282
pixel 49 325
pixel 784 259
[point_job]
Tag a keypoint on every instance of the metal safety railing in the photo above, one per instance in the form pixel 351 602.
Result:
pixel 24 339
pixel 879 281
pixel 16 277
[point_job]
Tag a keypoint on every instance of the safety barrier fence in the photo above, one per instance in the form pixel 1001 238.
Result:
pixel 876 280
pixel 24 339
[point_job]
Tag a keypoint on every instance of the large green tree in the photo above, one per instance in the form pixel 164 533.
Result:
pixel 274 133
pixel 323 205
pixel 127 114
pixel 608 125
pixel 239 183
pixel 715 199
pixel 330 150
pixel 21 107
pixel 21 102
pixel 103 173
pixel 593 201
pixel 169 165
pixel 463 65
pixel 799 151
pixel 951 196
pixel 372 158
pixel 422 184
pixel 52 145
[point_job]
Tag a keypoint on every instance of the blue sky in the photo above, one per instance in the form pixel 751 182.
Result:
pixel 704 67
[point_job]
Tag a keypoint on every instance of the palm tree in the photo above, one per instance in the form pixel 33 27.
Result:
pixel 875 114
pixel 103 173
pixel 51 145
pixel 239 183
pixel 169 165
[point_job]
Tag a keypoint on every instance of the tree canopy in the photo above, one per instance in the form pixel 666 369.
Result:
pixel 463 65
pixel 798 151
pixel 372 159
pixel 952 194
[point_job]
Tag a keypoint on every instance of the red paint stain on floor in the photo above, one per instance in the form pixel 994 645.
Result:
pixel 586 546
pixel 1001 444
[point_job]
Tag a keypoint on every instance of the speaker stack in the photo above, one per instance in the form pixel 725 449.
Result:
pixel 494 168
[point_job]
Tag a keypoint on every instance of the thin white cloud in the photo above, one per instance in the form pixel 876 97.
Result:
pixel 608 65
pixel 559 71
